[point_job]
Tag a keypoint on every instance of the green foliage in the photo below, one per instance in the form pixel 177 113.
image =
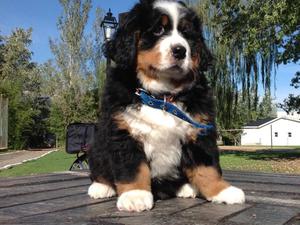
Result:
pixel 292 103
pixel 266 108
pixel 248 39
pixel 19 81
pixel 76 76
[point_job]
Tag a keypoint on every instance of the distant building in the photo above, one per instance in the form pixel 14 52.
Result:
pixel 280 131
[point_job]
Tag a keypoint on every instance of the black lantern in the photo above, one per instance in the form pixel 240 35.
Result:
pixel 109 25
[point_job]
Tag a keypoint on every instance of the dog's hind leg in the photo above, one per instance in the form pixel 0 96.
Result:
pixel 187 191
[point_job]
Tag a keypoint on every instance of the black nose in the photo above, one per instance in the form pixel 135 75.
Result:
pixel 178 52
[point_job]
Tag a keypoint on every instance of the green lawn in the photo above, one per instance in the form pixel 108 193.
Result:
pixel 264 161
pixel 53 162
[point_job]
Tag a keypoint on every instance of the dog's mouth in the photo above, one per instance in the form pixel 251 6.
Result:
pixel 175 68
pixel 173 72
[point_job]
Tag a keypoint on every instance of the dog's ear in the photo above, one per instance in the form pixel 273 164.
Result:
pixel 122 49
pixel 205 57
pixel 182 3
pixel 150 2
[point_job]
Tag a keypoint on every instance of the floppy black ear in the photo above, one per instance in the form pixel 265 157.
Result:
pixel 206 57
pixel 122 49
pixel 182 3
pixel 147 1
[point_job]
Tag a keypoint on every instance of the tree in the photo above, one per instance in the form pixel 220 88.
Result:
pixel 292 103
pixel 248 39
pixel 266 108
pixel 240 65
pixel 19 81
pixel 72 79
pixel 98 62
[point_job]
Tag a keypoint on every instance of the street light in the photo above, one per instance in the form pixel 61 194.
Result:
pixel 109 25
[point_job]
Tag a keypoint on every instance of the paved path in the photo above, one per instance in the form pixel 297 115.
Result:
pixel 14 158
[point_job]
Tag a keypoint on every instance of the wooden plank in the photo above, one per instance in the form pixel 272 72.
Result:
pixel 294 221
pixel 48 206
pixel 286 188
pixel 263 214
pixel 206 214
pixel 274 201
pixel 273 195
pixel 295 180
pixel 46 178
pixel 41 196
pixel 21 190
pixel 107 212
pixel 259 174
pixel 264 180
pixel 62 199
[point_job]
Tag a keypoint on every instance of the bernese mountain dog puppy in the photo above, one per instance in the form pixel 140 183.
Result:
pixel 142 153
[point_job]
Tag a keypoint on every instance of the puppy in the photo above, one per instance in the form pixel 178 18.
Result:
pixel 142 150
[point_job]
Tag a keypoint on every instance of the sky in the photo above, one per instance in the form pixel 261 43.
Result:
pixel 42 16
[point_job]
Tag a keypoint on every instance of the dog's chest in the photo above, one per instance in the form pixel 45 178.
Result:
pixel 162 135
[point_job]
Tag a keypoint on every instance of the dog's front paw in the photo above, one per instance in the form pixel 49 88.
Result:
pixel 230 195
pixel 98 190
pixel 135 201
pixel 187 191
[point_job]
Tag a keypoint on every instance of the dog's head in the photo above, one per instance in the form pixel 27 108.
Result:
pixel 162 40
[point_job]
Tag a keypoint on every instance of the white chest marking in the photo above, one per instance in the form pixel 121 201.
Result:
pixel 162 135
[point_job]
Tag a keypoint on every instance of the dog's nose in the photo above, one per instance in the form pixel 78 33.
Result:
pixel 179 52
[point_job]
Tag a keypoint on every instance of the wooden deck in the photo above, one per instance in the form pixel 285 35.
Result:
pixel 61 199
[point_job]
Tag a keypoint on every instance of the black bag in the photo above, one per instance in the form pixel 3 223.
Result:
pixel 80 137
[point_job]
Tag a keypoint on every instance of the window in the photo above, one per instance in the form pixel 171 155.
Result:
pixel 276 134
pixel 289 134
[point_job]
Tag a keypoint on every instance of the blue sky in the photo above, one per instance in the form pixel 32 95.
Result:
pixel 42 15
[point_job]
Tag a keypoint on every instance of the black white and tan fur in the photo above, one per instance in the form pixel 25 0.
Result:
pixel 139 151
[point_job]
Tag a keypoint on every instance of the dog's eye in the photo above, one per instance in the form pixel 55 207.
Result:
pixel 159 31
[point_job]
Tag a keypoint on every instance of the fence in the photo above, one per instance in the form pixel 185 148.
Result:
pixel 3 122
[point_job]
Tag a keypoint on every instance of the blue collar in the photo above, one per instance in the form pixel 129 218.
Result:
pixel 153 102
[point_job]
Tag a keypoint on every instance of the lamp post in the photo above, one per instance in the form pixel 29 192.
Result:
pixel 109 25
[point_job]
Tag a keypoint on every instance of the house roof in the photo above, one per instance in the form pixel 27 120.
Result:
pixel 263 122
pixel 259 122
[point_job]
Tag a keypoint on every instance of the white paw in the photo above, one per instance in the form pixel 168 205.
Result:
pixel 187 191
pixel 135 201
pixel 230 195
pixel 98 190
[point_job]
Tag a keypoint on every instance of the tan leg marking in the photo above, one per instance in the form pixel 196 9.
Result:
pixel 121 123
pixel 141 182
pixel 207 179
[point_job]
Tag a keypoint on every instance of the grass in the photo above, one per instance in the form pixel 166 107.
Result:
pixel 53 162
pixel 260 160
pixel 263 161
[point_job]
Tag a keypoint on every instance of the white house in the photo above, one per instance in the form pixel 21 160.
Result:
pixel 279 131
